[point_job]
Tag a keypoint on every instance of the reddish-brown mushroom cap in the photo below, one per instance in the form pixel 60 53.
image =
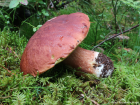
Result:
pixel 53 42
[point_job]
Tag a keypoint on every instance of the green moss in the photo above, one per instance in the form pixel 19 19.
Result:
pixel 60 85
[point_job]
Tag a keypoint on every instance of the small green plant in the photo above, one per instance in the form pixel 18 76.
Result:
pixel 14 3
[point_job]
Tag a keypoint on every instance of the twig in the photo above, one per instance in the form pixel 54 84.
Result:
pixel 51 3
pixel 90 99
pixel 4 97
pixel 14 53
pixel 115 36
pixel 94 102
pixel 5 68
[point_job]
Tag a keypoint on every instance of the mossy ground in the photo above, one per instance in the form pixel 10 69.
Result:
pixel 60 85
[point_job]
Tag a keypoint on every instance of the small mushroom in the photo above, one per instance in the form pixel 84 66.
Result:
pixel 56 40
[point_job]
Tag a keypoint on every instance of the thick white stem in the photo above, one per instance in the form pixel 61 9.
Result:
pixel 90 62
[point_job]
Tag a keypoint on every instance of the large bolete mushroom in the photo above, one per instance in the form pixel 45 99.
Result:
pixel 56 40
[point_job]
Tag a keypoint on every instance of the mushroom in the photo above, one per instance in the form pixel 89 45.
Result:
pixel 90 62
pixel 57 39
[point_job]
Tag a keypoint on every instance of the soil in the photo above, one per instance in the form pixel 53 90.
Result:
pixel 108 64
